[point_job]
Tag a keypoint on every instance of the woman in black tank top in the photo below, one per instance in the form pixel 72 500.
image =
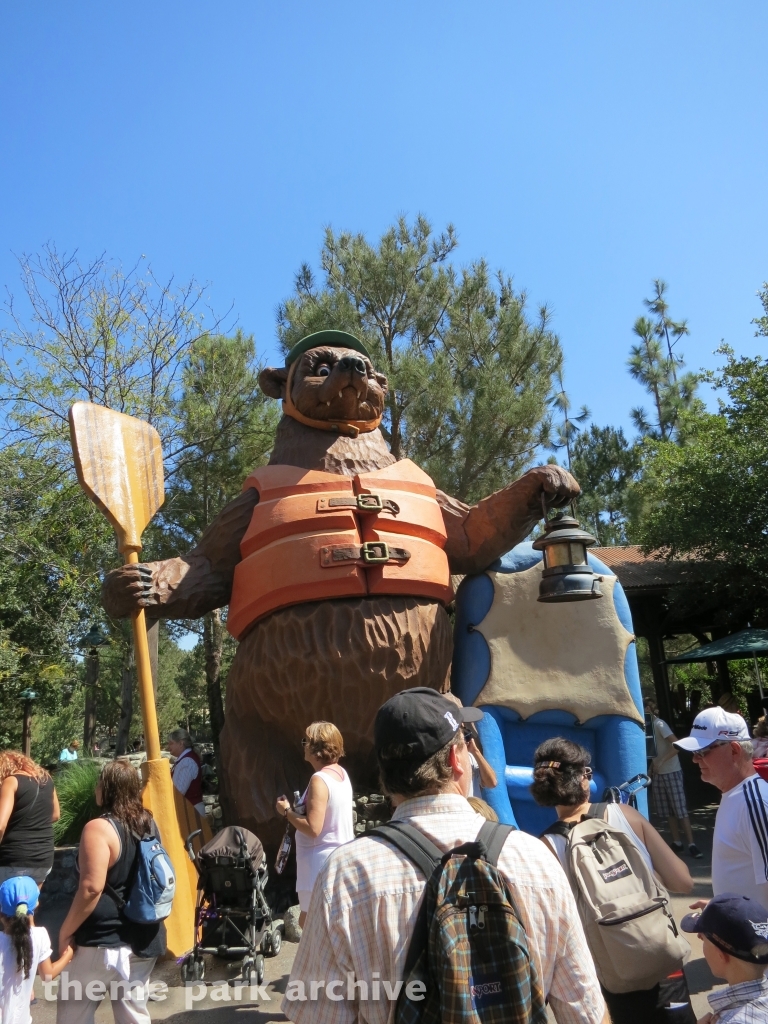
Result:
pixel 95 926
pixel 28 808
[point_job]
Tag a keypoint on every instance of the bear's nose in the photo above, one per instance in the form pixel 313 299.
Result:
pixel 352 363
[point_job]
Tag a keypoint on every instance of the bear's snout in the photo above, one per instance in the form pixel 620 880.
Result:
pixel 352 363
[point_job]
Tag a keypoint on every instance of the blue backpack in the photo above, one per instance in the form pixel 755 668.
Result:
pixel 151 885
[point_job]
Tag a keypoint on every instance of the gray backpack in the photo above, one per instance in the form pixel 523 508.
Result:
pixel 623 906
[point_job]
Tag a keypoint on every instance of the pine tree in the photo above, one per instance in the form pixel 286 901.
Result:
pixel 470 373
pixel 673 393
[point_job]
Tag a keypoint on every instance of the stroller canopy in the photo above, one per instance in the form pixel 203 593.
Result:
pixel 229 843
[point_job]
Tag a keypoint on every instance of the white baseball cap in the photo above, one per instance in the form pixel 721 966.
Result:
pixel 714 726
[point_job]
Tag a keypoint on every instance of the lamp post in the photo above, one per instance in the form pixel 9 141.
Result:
pixel 26 729
pixel 567 575
pixel 91 642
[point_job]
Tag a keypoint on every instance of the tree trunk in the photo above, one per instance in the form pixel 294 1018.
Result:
pixel 213 643
pixel 91 682
pixel 126 704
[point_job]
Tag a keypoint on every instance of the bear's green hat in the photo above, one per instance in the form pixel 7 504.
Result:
pixel 335 339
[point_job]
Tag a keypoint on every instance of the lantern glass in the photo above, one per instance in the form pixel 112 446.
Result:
pixel 578 554
pixel 557 554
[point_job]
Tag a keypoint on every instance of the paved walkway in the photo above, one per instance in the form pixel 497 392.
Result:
pixel 178 1006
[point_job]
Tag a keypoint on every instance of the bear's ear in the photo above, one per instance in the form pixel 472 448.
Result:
pixel 272 381
pixel 382 381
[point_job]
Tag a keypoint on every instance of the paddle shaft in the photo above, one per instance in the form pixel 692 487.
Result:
pixel 144 675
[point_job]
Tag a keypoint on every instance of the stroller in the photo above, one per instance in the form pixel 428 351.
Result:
pixel 232 918
pixel 627 792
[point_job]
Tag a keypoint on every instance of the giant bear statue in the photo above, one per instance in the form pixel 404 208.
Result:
pixel 336 563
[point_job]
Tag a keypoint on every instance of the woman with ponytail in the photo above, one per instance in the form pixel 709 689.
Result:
pixel 25 949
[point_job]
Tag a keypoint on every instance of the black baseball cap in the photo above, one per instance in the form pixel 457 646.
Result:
pixel 420 720
pixel 735 924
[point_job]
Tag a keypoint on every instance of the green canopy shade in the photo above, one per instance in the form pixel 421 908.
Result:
pixel 747 643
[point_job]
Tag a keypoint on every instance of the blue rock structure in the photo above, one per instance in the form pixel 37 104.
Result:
pixel 540 670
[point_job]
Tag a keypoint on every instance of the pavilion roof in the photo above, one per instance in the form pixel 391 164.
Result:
pixel 638 572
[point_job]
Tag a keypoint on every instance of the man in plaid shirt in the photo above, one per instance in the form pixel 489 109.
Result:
pixel 349 965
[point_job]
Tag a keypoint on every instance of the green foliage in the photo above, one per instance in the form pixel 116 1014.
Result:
pixel 76 789
pixel 94 333
pixel 569 427
pixel 655 365
pixel 137 345
pixel 225 428
pixel 54 729
pixel 709 497
pixel 470 375
pixel 607 466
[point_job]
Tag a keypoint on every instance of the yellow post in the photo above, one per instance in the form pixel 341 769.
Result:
pixel 119 464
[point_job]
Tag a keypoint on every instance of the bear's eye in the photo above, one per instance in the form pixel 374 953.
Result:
pixel 323 370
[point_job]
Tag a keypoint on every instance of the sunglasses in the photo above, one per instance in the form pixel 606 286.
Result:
pixel 304 741
pixel 701 754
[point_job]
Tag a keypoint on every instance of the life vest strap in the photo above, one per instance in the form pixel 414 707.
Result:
pixel 371 504
pixel 372 552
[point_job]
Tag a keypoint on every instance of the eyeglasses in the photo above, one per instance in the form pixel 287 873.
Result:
pixel 304 741
pixel 468 737
pixel 587 773
pixel 701 754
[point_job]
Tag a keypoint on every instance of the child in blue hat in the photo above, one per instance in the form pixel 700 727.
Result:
pixel 25 950
pixel 734 930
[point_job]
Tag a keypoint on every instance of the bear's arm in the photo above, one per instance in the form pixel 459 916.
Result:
pixel 479 534
pixel 191 585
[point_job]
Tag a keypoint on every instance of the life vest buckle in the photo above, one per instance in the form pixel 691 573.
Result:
pixel 374 552
pixel 369 503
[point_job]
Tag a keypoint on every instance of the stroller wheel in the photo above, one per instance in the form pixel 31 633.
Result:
pixel 192 970
pixel 275 941
pixel 253 970
pixel 258 962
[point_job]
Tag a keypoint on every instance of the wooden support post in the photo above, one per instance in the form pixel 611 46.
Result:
pixel 660 674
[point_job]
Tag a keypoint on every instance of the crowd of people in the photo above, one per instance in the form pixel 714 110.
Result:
pixel 365 905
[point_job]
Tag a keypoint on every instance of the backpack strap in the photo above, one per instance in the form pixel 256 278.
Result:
pixel 563 828
pixel 409 840
pixel 558 828
pixel 493 835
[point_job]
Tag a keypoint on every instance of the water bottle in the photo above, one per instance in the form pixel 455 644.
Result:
pixel 284 852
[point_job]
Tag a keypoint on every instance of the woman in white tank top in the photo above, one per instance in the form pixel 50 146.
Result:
pixel 323 816
pixel 561 776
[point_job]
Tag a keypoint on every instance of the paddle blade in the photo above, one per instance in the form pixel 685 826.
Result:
pixel 119 463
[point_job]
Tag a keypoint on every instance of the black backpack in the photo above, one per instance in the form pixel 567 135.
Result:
pixel 468 950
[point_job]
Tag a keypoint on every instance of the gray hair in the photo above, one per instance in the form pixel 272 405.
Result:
pixel 748 747
pixel 181 736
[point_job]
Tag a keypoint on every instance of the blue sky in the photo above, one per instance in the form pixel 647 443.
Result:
pixel 585 148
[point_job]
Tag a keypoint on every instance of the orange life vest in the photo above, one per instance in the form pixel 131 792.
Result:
pixel 316 535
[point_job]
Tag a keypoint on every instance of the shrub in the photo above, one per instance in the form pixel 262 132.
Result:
pixel 76 789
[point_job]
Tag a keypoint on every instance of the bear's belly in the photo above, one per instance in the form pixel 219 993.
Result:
pixel 336 661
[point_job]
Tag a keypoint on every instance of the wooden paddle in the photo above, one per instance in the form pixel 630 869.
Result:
pixel 119 463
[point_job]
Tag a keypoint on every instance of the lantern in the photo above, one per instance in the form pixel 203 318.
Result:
pixel 567 575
